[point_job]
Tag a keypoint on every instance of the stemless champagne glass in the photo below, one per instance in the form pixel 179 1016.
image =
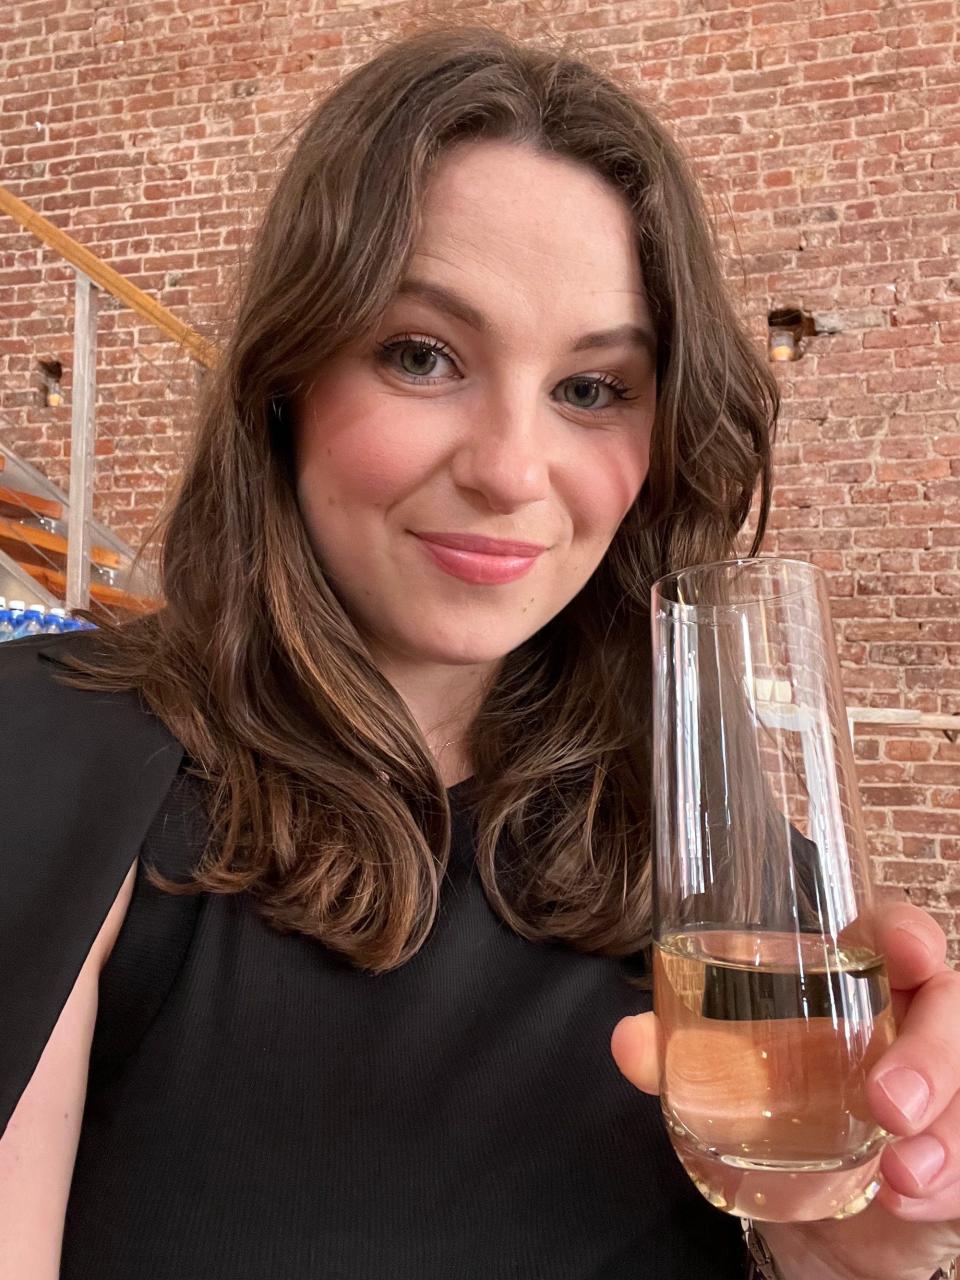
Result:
pixel 773 1000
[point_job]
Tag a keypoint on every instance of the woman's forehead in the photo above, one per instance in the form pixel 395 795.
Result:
pixel 509 191
pixel 512 233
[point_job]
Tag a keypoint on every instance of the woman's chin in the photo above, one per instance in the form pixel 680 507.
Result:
pixel 467 650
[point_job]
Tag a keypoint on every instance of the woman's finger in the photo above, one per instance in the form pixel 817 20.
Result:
pixel 915 1080
pixel 913 944
pixel 924 1165
pixel 943 1208
pixel 635 1048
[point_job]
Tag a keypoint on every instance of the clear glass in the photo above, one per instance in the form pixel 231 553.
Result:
pixel 773 1000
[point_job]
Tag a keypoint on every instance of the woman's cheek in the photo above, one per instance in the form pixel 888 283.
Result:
pixel 384 455
pixel 607 484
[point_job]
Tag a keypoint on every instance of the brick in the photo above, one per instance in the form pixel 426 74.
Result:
pixel 923 821
pixel 904 872
pixel 888 796
pixel 908 749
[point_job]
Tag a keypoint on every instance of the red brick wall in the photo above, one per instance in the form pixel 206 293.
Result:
pixel 828 139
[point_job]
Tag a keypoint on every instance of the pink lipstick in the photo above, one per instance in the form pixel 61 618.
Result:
pixel 482 561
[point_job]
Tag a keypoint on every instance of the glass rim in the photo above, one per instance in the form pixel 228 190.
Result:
pixel 680 611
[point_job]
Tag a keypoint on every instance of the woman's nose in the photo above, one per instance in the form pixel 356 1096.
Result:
pixel 504 454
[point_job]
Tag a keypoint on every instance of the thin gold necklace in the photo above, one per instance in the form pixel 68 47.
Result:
pixel 385 778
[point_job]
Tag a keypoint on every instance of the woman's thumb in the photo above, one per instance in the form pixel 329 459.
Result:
pixel 635 1048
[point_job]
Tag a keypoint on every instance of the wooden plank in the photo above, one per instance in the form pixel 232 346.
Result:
pixel 37 546
pixel 107 278
pixel 110 597
pixel 17 503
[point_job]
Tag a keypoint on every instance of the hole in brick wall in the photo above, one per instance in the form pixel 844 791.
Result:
pixel 786 329
pixel 51 373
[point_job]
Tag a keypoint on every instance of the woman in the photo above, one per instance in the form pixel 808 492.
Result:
pixel 388 736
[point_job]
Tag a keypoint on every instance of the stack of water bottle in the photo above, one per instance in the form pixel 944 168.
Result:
pixel 17 620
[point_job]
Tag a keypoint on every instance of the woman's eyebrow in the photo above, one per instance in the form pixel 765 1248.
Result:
pixel 453 304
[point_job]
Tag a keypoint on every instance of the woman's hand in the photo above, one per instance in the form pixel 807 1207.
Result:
pixel 913 1225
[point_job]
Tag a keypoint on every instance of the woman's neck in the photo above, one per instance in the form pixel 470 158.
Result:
pixel 443 699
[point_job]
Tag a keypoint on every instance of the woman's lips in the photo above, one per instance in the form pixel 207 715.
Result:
pixel 482 561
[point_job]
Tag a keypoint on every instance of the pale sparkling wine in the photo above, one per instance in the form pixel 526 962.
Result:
pixel 767 1041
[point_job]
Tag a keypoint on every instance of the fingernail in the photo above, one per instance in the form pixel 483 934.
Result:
pixel 907 1090
pixel 915 930
pixel 923 1157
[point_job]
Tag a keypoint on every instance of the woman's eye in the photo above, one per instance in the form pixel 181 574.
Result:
pixel 593 393
pixel 416 359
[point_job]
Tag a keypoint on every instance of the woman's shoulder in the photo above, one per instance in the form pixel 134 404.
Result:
pixel 78 767
pixel 40 709
pixel 29 668
pixel 28 655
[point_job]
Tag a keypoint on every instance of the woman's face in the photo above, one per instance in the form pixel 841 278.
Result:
pixel 507 394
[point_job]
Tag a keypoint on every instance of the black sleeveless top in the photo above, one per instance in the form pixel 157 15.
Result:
pixel 259 1110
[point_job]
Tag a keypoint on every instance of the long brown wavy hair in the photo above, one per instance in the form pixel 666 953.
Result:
pixel 253 664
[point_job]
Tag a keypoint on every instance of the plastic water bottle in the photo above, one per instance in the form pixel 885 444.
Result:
pixel 31 622
pixel 16 608
pixel 53 621
pixel 6 624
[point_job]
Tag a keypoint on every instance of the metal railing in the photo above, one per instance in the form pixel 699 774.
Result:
pixel 91 276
